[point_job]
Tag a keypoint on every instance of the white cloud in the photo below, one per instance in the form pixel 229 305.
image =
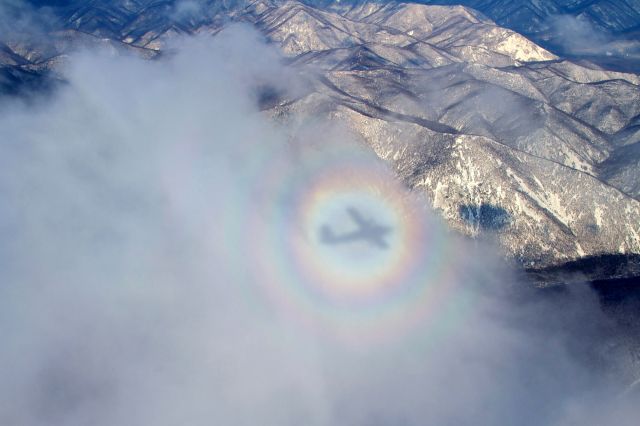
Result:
pixel 142 212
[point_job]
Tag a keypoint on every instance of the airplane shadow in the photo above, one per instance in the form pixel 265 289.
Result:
pixel 365 230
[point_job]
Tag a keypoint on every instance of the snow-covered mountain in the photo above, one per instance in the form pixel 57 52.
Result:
pixel 600 31
pixel 505 138
pixel 531 16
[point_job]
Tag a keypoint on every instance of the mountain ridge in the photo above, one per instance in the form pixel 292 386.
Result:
pixel 491 127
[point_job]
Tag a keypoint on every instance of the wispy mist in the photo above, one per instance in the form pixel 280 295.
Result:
pixel 152 271
pixel 579 37
pixel 23 19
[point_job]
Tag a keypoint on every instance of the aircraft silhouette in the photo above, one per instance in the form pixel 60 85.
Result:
pixel 367 231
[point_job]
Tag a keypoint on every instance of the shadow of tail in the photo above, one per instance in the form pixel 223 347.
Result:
pixel 326 235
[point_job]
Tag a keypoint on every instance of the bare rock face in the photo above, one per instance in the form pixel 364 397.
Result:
pixel 503 137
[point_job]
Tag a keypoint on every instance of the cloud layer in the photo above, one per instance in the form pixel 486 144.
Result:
pixel 145 275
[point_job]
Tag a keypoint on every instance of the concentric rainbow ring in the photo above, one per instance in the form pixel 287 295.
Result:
pixel 354 291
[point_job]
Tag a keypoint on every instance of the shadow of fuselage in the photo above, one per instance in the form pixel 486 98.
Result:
pixel 367 231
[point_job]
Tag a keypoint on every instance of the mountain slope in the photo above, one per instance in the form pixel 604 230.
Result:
pixel 506 139
pixel 606 32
